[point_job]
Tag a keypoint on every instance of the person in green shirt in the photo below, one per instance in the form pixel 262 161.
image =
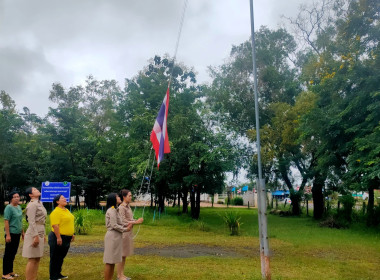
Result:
pixel 13 231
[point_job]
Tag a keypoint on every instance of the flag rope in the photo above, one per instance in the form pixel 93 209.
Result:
pixel 178 37
pixel 148 188
pixel 170 79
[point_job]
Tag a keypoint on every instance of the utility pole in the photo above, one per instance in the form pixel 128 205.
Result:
pixel 262 194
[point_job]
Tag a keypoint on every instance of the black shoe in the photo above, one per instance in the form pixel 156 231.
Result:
pixel 63 277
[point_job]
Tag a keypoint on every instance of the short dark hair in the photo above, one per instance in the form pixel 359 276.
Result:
pixel 111 200
pixel 124 192
pixel 11 194
pixel 28 191
pixel 55 200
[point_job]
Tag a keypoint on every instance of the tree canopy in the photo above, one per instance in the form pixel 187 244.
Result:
pixel 319 96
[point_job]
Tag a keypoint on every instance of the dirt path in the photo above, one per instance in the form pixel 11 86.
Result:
pixel 175 251
pixel 203 204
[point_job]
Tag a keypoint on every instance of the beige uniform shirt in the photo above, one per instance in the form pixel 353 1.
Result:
pixel 126 214
pixel 36 213
pixel 112 241
pixel 113 220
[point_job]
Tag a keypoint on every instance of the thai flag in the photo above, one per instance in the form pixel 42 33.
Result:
pixel 159 136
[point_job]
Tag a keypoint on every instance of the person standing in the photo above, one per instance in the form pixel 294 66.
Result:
pixel 13 232
pixel 127 218
pixel 60 237
pixel 33 248
pixel 113 238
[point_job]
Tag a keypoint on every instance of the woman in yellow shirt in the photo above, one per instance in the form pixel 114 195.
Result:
pixel 60 237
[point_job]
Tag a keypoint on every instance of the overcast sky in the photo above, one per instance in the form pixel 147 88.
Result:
pixel 48 41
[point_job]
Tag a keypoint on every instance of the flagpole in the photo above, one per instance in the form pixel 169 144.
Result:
pixel 263 227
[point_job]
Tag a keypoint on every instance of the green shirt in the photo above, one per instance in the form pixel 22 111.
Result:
pixel 14 216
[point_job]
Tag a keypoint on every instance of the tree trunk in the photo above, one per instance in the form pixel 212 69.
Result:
pixel 91 197
pixel 198 204
pixel 179 199
pixel 318 200
pixel 192 202
pixel 370 206
pixel 151 200
pixel 175 198
pixel 185 203
pixel 2 196
pixel 161 202
pixel 284 175
pixel 295 197
pixel 77 202
pixel 3 189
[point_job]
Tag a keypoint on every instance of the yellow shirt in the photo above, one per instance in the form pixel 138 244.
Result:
pixel 64 219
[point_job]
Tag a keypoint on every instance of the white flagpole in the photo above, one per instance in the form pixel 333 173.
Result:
pixel 263 226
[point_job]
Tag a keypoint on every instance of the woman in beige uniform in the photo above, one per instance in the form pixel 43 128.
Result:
pixel 33 248
pixel 127 218
pixel 113 237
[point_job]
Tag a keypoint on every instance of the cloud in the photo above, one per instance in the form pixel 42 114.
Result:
pixel 19 66
pixel 47 41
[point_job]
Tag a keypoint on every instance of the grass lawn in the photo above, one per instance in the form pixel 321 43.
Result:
pixel 300 249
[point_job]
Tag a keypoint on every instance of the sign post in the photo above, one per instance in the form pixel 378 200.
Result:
pixel 51 189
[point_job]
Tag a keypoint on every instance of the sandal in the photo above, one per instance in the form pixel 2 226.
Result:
pixel 7 277
pixel 14 275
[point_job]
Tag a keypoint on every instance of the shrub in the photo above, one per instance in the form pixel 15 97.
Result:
pixel 232 220
pixel 348 203
pixel 334 221
pixel 25 224
pixel 220 202
pixel 343 217
pixel 237 201
pixel 234 201
pixel 96 216
pixel 82 221
pixel 376 216
pixel 281 213
pixel 200 225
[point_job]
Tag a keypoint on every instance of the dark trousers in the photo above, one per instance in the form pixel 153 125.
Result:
pixel 10 253
pixel 57 254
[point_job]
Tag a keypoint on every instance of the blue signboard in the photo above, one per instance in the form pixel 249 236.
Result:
pixel 50 189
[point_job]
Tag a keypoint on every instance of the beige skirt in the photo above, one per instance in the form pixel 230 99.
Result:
pixel 127 243
pixel 112 247
pixel 28 251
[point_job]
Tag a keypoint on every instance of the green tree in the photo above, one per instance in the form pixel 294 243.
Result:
pixel 73 148
pixel 345 75
pixel 231 97
pixel 10 126
pixel 282 149
pixel 196 161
